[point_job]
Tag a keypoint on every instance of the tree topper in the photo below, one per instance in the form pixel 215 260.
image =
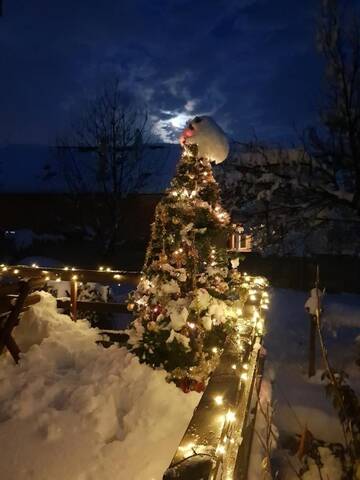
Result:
pixel 211 140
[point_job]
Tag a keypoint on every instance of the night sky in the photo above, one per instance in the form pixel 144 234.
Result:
pixel 252 64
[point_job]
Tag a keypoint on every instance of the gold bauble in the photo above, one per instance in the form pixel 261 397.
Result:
pixel 163 258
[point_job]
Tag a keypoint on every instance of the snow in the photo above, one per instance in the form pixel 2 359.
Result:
pixel 209 137
pixel 300 402
pixel 314 301
pixel 181 339
pixel 24 237
pixel 74 410
pixel 178 314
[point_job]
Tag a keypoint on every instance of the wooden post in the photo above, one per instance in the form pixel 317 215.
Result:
pixel 312 346
pixel 313 327
pixel 73 299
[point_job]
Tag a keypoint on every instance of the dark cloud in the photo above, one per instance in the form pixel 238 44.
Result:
pixel 251 64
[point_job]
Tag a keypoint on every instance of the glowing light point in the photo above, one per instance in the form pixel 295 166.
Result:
pixel 230 416
pixel 220 450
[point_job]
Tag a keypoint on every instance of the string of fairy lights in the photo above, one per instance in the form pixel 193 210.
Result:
pixel 54 274
pixel 228 418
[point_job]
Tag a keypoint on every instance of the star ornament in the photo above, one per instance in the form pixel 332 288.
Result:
pixel 211 140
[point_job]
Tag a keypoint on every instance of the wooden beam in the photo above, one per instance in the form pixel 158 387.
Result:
pixel 104 277
pixel 73 299
pixel 7 302
pixel 100 307
pixel 13 318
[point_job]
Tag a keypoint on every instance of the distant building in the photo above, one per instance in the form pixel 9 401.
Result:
pixel 240 241
pixel 35 201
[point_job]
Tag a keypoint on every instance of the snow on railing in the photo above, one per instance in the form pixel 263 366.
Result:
pixel 76 276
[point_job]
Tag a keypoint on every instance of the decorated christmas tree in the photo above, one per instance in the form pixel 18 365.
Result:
pixel 187 299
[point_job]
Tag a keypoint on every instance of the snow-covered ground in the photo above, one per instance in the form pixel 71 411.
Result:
pixel 298 401
pixel 74 410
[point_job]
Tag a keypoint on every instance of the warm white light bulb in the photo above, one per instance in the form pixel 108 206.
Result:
pixel 220 449
pixel 230 416
pixel 218 400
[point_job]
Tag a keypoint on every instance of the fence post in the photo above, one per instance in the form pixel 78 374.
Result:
pixel 312 346
pixel 73 298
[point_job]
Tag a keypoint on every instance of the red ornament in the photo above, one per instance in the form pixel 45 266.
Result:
pixel 184 384
pixel 199 387
pixel 186 134
pixel 189 385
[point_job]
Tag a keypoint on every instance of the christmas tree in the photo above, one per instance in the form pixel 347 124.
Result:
pixel 187 300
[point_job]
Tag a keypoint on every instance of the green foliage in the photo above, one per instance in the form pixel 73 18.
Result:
pixel 180 304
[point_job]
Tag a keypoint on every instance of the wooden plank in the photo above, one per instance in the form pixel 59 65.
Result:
pixel 81 275
pixel 312 346
pixel 14 350
pixel 73 299
pixel 7 302
pixel 101 307
pixel 198 453
pixel 9 289
pixel 13 318
pixel 244 451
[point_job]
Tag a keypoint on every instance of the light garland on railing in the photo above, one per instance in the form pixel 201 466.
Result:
pixel 19 270
pixel 246 344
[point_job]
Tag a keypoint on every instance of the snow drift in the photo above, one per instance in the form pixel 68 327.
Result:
pixel 76 411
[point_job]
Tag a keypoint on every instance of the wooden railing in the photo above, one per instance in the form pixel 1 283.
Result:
pixel 217 442
pixel 12 302
pixel 75 276
pixel 103 276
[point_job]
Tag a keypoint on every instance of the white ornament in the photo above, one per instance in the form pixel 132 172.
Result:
pixel 207 322
pixel 234 262
pixel 212 142
pixel 182 339
pixel 170 287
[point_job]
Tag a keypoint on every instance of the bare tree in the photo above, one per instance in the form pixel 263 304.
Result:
pixel 102 161
pixel 290 196
pixel 335 147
